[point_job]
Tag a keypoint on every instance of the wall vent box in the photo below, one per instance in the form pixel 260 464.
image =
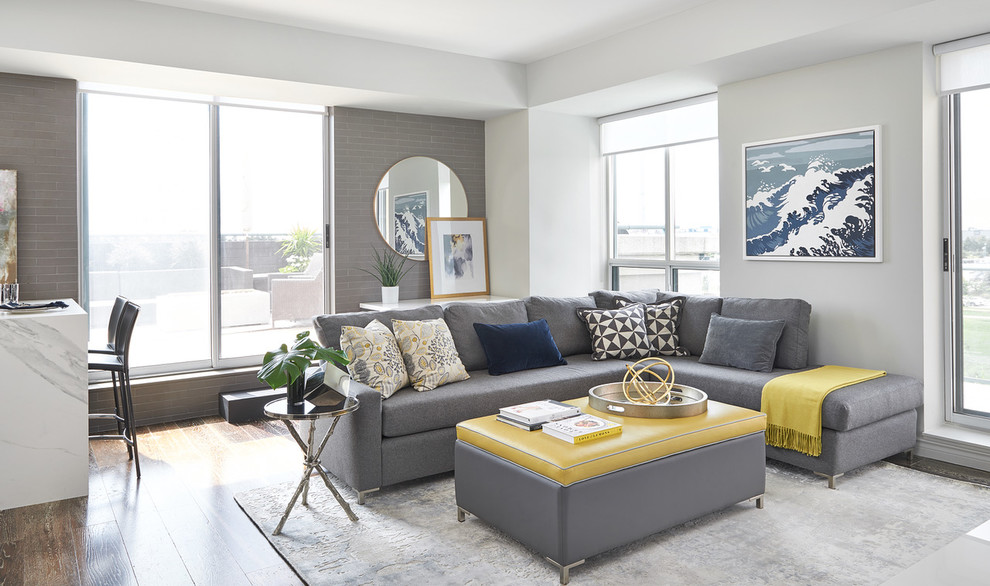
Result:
pixel 241 406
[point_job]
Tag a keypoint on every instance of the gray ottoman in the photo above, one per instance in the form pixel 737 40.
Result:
pixel 569 502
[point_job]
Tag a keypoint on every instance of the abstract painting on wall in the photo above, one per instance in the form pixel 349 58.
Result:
pixel 814 197
pixel 410 224
pixel 8 226
pixel 458 256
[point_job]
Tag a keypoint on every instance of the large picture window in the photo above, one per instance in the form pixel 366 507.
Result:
pixel 210 217
pixel 662 186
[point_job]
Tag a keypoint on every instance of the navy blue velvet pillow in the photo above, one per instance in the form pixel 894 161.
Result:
pixel 514 347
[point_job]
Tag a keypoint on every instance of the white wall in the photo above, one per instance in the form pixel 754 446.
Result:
pixel 507 203
pixel 567 212
pixel 863 314
pixel 546 229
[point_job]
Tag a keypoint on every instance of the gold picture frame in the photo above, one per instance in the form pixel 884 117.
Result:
pixel 457 249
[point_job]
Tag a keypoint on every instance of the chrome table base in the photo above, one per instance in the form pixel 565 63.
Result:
pixel 311 463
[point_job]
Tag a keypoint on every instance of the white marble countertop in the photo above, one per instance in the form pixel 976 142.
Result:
pixel 44 438
pixel 72 309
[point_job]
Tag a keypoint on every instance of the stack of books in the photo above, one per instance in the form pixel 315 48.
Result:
pixel 582 428
pixel 532 416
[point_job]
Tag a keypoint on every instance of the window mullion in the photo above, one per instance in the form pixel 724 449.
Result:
pixel 669 221
pixel 214 235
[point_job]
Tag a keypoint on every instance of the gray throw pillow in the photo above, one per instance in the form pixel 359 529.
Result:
pixel 742 343
pixel 792 349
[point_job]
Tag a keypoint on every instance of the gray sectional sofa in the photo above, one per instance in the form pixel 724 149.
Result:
pixel 411 434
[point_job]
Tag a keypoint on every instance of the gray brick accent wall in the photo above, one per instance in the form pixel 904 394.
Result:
pixel 38 140
pixel 366 144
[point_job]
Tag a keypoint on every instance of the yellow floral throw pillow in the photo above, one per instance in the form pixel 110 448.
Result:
pixel 429 353
pixel 375 357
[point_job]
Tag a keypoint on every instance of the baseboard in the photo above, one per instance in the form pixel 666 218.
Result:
pixel 954 451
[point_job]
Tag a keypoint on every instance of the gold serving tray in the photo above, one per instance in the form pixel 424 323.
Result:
pixel 684 401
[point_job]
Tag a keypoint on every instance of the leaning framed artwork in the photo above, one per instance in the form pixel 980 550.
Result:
pixel 458 254
pixel 814 197
pixel 8 226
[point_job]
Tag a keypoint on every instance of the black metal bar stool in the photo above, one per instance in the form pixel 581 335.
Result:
pixel 111 345
pixel 117 365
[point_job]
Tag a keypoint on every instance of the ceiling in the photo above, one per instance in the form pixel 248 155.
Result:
pixel 518 31
pixel 475 59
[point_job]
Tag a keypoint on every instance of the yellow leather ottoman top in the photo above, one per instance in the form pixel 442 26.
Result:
pixel 641 440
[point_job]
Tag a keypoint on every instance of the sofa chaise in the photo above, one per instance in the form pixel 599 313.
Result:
pixel 411 434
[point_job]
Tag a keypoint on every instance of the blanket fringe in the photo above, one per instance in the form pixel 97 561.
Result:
pixel 791 439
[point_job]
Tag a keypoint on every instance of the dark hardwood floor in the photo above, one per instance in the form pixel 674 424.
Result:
pixel 178 525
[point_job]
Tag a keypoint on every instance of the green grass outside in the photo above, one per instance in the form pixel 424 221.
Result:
pixel 976 342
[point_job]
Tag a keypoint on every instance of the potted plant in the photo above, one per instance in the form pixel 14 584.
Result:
pixel 388 271
pixel 298 248
pixel 287 366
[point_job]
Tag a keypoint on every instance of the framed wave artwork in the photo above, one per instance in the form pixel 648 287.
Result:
pixel 814 197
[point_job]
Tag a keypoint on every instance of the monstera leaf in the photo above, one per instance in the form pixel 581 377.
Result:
pixel 283 366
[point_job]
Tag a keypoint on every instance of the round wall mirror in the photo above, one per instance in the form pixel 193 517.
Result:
pixel 415 189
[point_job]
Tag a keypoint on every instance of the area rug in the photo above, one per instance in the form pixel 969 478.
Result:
pixel 882 519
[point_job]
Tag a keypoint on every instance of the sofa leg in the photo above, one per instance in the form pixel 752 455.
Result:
pixel 909 454
pixel 831 479
pixel 565 571
pixel 461 514
pixel 363 493
pixel 759 501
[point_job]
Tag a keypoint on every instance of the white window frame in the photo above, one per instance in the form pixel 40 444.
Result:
pixel 669 265
pixel 952 244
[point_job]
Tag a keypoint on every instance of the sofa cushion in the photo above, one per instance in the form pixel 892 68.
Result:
pixel 742 343
pixel 844 409
pixel 374 356
pixel 697 313
pixel 428 353
pixel 408 412
pixel 662 320
pixel 568 330
pixel 515 347
pixel 617 333
pixel 606 299
pixel 792 348
pixel 461 317
pixel 328 326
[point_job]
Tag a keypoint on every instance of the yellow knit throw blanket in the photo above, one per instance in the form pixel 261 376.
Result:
pixel 793 404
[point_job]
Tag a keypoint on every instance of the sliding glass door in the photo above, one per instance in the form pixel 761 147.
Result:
pixel 970 217
pixel 210 217
pixel 271 227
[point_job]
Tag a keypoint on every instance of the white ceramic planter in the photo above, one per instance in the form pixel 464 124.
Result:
pixel 390 295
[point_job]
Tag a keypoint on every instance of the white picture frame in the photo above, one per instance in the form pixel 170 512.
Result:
pixel 815 197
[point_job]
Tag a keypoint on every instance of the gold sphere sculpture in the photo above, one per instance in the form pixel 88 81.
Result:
pixel 655 392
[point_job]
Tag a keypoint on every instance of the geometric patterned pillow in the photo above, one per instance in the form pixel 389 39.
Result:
pixel 375 357
pixel 617 333
pixel 662 320
pixel 429 353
